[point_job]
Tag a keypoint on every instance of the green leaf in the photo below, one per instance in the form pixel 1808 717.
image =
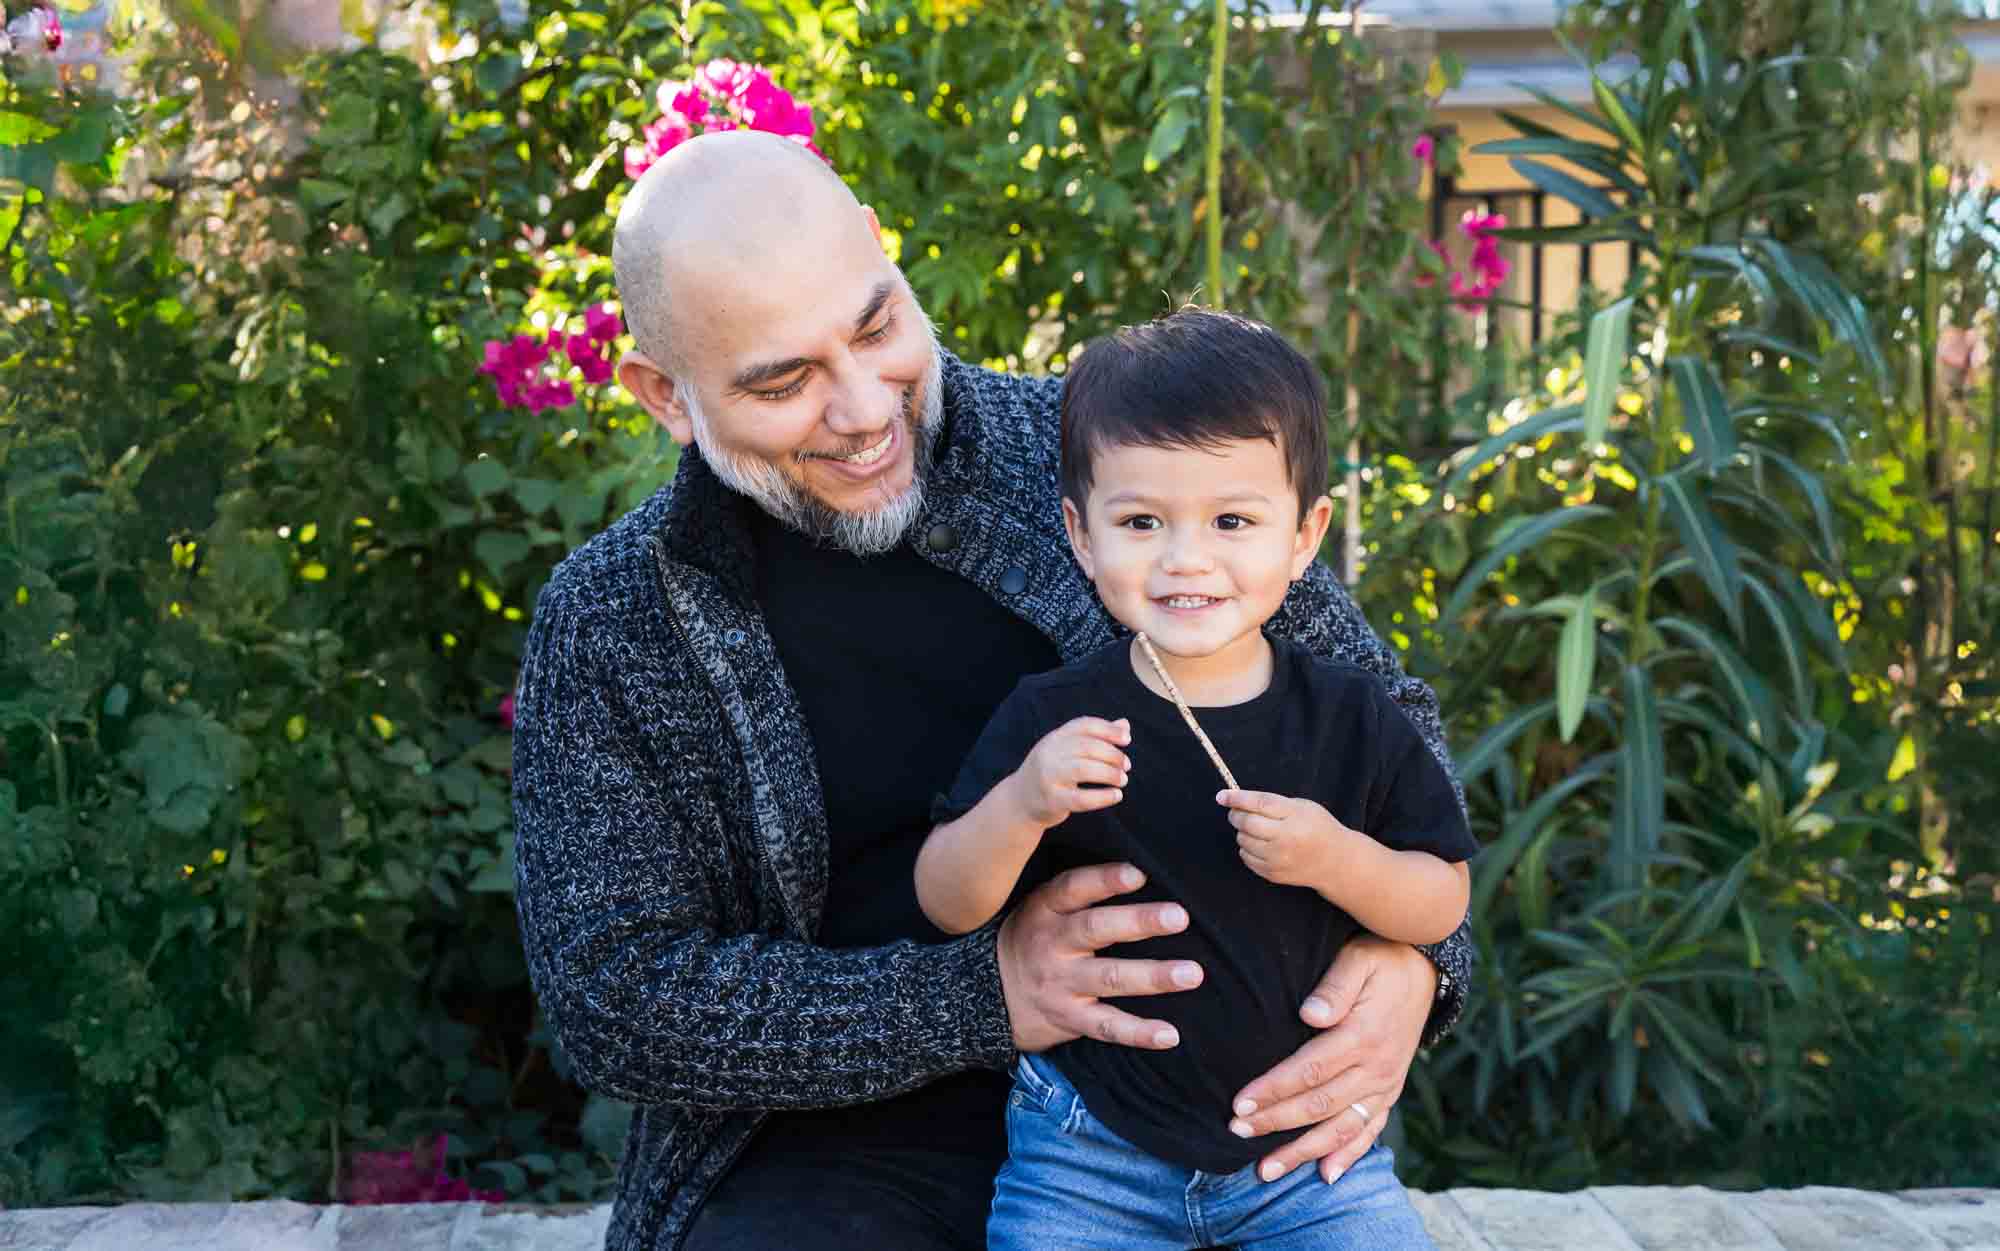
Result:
pixel 1810 486
pixel 1613 109
pixel 1576 660
pixel 485 476
pixel 1642 784
pixel 1745 269
pixel 1168 135
pixel 1550 421
pixel 85 139
pixel 1787 638
pixel 1497 859
pixel 1604 365
pixel 1484 753
pixel 1591 200
pixel 501 550
pixel 1752 697
pixel 1701 535
pixel 1707 409
pixel 1517 540
pixel 1819 293
pixel 19 128
pixel 319 195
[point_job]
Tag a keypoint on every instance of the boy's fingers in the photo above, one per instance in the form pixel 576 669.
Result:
pixel 1257 803
pixel 1253 824
pixel 1096 749
pixel 1099 772
pixel 1118 732
pixel 1091 798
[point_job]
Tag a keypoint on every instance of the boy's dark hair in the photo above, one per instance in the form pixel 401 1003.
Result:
pixel 1194 379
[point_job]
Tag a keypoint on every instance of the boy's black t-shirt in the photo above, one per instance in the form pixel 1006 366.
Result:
pixel 1322 731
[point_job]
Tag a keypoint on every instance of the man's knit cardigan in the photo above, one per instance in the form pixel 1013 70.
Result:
pixel 672 838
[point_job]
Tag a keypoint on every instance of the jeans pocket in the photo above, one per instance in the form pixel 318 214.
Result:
pixel 1034 1091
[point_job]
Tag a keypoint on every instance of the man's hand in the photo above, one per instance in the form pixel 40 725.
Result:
pixel 1371 1007
pixel 1053 977
pixel 1293 842
pixel 1077 767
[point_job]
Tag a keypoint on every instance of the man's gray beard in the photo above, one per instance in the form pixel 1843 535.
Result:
pixel 866 532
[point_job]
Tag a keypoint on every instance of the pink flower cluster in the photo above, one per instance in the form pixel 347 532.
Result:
pixel 40 24
pixel 408 1177
pixel 516 365
pixel 722 95
pixel 1472 287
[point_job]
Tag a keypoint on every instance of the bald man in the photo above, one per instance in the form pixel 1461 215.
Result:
pixel 738 702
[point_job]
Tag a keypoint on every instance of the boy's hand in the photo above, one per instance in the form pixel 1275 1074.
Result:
pixel 1293 842
pixel 1077 767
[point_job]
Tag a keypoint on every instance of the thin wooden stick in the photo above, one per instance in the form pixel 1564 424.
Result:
pixel 1187 713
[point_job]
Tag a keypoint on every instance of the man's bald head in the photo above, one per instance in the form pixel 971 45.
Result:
pixel 715 209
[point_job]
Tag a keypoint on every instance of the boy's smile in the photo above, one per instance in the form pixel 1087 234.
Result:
pixel 1196 547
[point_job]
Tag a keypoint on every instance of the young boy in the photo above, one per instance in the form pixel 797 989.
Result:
pixel 1194 463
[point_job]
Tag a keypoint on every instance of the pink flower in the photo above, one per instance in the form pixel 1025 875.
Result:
pixel 582 352
pixel 689 102
pixel 399 1177
pixel 507 711
pixel 1475 225
pixel 601 324
pixel 719 76
pixel 39 24
pixel 768 107
pixel 1424 149
pixel 662 137
pixel 549 394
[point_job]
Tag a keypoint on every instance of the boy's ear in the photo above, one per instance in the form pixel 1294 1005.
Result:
pixel 1079 538
pixel 1312 532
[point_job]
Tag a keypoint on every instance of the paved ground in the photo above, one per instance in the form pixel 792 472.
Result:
pixel 1606 1218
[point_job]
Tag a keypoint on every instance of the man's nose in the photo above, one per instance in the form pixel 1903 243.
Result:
pixel 862 402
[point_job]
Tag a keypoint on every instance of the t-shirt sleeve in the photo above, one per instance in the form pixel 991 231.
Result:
pixel 1412 805
pixel 1004 743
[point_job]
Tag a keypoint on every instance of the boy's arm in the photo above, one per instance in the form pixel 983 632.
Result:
pixel 968 867
pixel 995 815
pixel 1409 896
pixel 1404 894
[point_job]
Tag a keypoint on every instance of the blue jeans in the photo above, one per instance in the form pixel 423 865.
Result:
pixel 1071 1183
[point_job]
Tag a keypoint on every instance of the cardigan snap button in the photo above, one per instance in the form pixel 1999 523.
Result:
pixel 942 538
pixel 1014 581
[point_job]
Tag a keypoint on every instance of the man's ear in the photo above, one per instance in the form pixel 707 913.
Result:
pixel 657 394
pixel 874 224
pixel 1079 538
pixel 1312 532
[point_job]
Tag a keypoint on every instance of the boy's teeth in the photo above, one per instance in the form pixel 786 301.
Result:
pixel 1189 601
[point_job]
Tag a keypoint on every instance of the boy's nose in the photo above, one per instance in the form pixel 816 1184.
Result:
pixel 1185 556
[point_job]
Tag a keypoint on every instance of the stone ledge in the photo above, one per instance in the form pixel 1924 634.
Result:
pixel 1603 1218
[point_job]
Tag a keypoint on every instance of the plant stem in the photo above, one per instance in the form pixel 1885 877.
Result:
pixel 1218 55
pixel 1666 429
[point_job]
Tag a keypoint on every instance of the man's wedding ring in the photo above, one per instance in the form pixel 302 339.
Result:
pixel 1362 1108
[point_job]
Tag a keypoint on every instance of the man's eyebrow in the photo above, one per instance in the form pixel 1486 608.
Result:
pixel 769 371
pixel 879 297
